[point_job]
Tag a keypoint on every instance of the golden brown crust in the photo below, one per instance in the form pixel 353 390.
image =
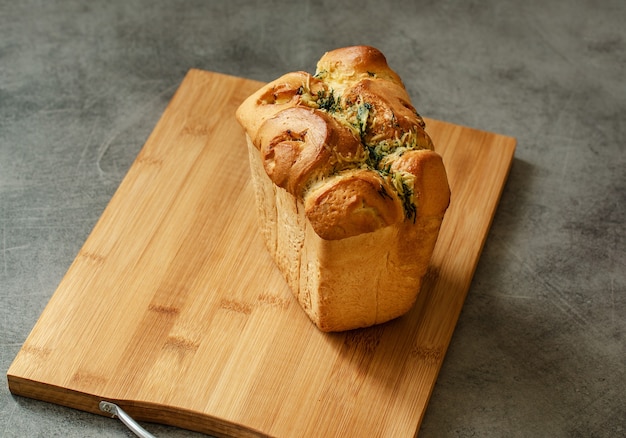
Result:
pixel 352 203
pixel 280 94
pixel 391 114
pixel 349 64
pixel 430 183
pixel 306 131
pixel 300 144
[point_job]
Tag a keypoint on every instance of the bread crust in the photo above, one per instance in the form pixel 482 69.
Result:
pixel 350 192
pixel 352 203
pixel 299 144
pixel 350 64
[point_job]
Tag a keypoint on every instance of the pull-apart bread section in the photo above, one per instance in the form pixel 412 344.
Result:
pixel 350 192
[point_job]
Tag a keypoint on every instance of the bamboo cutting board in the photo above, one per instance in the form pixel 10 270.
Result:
pixel 173 309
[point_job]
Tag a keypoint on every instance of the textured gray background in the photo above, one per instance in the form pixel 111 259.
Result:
pixel 539 349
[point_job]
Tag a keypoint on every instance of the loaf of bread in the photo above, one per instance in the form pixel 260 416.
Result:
pixel 349 190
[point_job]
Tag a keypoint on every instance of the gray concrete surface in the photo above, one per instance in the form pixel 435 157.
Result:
pixel 539 350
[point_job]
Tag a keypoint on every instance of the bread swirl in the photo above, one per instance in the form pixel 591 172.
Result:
pixel 349 190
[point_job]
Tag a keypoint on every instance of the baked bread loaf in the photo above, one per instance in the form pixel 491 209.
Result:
pixel 349 190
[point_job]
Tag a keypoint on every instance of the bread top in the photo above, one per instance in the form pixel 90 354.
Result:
pixel 348 143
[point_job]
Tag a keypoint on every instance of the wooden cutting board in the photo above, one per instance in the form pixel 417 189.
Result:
pixel 173 309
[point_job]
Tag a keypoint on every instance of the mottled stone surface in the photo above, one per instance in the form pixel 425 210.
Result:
pixel 540 347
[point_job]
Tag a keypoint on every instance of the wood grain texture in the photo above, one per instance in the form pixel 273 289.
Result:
pixel 174 310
